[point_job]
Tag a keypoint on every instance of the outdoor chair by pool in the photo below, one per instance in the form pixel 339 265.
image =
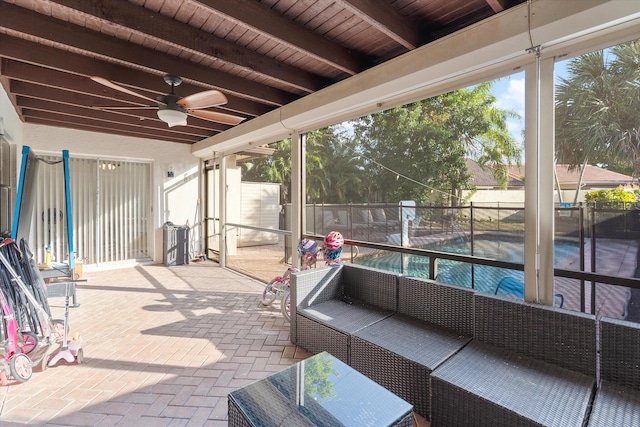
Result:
pixel 510 287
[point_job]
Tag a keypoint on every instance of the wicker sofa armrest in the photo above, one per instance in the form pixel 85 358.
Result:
pixel 443 305
pixel 314 286
pixel 553 335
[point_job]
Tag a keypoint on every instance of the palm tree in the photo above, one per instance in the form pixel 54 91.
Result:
pixel 597 106
pixel 334 171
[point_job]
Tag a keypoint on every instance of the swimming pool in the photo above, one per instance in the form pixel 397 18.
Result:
pixel 486 278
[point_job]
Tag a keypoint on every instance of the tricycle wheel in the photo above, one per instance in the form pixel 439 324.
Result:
pixel 80 356
pixel 286 306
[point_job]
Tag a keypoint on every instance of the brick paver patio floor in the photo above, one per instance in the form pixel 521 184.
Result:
pixel 163 346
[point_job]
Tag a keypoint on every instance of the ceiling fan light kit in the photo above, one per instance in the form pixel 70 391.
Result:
pixel 172 117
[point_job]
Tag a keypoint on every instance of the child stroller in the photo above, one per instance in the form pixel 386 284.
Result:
pixel 27 307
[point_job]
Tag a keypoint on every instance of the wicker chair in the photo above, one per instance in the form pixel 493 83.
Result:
pixel 617 401
pixel 528 365
pixel 434 322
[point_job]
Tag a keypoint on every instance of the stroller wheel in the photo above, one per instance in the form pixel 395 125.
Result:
pixel 29 342
pixel 20 366
pixel 44 363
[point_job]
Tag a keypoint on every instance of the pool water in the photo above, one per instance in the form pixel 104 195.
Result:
pixel 485 278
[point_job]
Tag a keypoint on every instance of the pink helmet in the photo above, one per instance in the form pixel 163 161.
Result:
pixel 333 240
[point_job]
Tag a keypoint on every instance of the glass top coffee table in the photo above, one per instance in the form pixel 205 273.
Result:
pixel 318 391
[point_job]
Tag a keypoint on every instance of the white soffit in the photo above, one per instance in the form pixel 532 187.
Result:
pixel 489 48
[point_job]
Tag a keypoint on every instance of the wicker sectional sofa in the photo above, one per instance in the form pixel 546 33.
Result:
pixel 463 358
pixel 528 365
pixel 391 328
pixel 617 402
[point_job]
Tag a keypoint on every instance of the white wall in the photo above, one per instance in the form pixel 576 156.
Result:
pixel 497 197
pixel 10 124
pixel 174 199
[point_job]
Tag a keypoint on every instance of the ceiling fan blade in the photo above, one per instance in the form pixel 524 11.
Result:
pixel 112 85
pixel 214 116
pixel 206 99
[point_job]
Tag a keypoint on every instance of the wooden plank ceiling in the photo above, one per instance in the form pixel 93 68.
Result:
pixel 261 54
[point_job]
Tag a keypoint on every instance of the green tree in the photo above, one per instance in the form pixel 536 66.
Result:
pixel 611 198
pixel 415 152
pixel 334 173
pixel 597 106
pixel 426 142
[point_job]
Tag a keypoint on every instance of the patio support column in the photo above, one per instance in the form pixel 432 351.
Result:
pixel 531 158
pixel 539 166
pixel 222 212
pixel 298 153
pixel 546 177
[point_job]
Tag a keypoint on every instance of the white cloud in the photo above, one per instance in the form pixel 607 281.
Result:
pixel 509 93
pixel 513 96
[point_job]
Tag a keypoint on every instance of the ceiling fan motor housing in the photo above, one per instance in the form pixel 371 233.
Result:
pixel 170 102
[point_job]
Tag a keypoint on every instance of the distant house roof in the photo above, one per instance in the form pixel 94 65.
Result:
pixel 482 177
pixel 594 177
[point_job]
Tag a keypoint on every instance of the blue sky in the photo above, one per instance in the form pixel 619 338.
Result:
pixel 509 92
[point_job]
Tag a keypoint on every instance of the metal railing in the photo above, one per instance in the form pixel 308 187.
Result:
pixel 582 223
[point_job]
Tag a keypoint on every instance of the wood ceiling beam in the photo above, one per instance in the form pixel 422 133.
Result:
pixel 109 117
pixel 186 37
pixel 62 96
pixel 262 19
pixel 106 127
pixel 113 131
pixel 80 83
pixel 380 15
pixel 38 56
pixel 5 83
pixel 497 5
pixel 21 71
pixel 34 24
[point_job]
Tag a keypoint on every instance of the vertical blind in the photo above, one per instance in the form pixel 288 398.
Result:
pixel 111 207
